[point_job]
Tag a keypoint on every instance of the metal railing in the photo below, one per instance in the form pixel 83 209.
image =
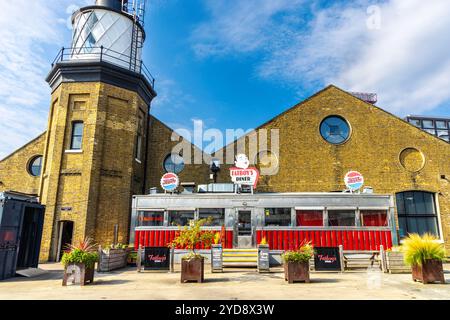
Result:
pixel 102 54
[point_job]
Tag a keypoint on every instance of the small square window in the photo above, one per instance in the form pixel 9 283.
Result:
pixel 428 124
pixel 415 122
pixel 441 125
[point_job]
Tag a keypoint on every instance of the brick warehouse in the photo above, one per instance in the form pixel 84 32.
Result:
pixel 102 146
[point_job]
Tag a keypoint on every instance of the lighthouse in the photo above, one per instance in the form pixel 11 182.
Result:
pixel 95 152
pixel 113 28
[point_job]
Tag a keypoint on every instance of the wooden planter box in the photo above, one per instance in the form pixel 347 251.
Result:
pixel 112 259
pixel 395 263
pixel 296 271
pixel 193 270
pixel 430 271
pixel 77 273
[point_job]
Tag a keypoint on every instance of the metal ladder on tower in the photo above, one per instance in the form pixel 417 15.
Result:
pixel 137 42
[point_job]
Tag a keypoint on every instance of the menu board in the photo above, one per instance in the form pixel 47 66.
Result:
pixel 327 259
pixel 216 258
pixel 156 258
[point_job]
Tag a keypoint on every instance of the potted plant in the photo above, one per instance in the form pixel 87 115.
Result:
pixel 79 262
pixel 296 263
pixel 193 264
pixel 425 255
pixel 112 258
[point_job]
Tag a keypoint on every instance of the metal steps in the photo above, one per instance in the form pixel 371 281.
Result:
pixel 233 258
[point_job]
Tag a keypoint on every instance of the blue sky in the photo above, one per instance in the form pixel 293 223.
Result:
pixel 236 63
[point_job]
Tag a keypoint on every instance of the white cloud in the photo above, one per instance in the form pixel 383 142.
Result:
pixel 406 61
pixel 241 26
pixel 31 33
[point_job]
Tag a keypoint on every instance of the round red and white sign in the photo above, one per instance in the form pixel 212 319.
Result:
pixel 354 180
pixel 170 181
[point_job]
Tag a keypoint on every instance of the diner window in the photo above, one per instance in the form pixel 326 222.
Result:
pixel 180 218
pixel 151 218
pixel 374 218
pixel 217 215
pixel 76 140
pixel 417 213
pixel 278 217
pixel 309 218
pixel 341 218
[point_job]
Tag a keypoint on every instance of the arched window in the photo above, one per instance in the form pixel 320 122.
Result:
pixel 174 163
pixel 417 213
pixel 35 166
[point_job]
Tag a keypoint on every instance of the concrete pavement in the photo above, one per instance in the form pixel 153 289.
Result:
pixel 232 284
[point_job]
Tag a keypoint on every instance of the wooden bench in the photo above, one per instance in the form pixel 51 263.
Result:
pixel 362 259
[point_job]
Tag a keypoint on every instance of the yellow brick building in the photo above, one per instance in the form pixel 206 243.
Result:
pixel 101 147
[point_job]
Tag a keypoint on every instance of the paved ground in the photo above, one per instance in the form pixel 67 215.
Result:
pixel 233 284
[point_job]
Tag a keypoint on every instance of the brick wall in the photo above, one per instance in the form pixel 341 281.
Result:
pixel 307 163
pixel 14 169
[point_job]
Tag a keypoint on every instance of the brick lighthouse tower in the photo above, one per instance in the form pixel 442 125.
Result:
pixel 96 141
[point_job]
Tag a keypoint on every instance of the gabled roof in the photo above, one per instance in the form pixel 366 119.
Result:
pixel 23 147
pixel 331 86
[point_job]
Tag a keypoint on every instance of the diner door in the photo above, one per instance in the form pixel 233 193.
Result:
pixel 245 229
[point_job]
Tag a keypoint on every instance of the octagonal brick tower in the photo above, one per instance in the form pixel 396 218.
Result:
pixel 95 152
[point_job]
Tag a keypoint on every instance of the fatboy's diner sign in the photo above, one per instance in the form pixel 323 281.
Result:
pixel 241 174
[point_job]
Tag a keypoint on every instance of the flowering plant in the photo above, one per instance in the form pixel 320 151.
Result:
pixel 303 254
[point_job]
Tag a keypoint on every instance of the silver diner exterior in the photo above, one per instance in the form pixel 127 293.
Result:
pixel 356 221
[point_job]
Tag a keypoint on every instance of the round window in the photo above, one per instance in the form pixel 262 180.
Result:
pixel 35 166
pixel 335 130
pixel 174 163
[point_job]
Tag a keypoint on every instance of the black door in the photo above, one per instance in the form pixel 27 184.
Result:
pixel 66 236
pixel 11 218
pixel 30 238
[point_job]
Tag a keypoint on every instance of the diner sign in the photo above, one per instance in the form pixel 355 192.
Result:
pixel 156 258
pixel 354 180
pixel 170 181
pixel 242 174
pixel 327 259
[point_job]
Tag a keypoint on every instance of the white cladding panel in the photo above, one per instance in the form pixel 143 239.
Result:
pixel 95 28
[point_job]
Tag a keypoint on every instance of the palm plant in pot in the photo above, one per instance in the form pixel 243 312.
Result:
pixel 79 262
pixel 296 263
pixel 193 264
pixel 425 255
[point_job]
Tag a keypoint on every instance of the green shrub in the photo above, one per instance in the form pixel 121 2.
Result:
pixel 84 252
pixel 119 246
pixel 303 254
pixel 417 249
